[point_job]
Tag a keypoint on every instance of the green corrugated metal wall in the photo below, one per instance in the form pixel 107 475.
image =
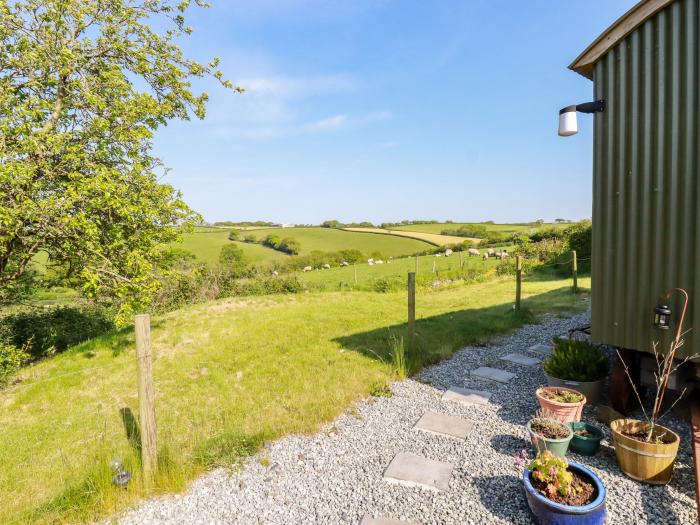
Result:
pixel 646 192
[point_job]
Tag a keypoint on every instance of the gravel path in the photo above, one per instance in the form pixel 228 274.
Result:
pixel 335 477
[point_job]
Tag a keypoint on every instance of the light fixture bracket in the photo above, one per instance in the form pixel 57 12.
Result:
pixel 591 107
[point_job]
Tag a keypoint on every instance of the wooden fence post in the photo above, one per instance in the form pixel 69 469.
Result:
pixel 411 309
pixel 147 409
pixel 461 261
pixel 518 280
pixel 574 269
pixel 434 265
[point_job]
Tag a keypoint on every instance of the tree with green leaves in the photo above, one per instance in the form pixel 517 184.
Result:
pixel 84 85
pixel 233 258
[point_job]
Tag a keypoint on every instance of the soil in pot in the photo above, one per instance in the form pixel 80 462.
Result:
pixel 549 429
pixel 583 491
pixel 584 433
pixel 642 436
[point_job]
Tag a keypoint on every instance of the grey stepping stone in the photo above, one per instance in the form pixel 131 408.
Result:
pixel 521 359
pixel 416 471
pixel 494 374
pixel 541 349
pixel 444 425
pixel 369 520
pixel 466 396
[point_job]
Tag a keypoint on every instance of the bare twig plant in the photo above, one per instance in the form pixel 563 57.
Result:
pixel 665 367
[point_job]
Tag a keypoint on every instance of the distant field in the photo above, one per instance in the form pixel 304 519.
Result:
pixel 439 227
pixel 432 238
pixel 333 240
pixel 395 268
pixel 207 246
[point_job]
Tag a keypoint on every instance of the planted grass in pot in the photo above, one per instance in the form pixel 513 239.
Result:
pixel 564 404
pixel 578 365
pixel 548 434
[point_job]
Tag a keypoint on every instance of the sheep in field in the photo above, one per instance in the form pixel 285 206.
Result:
pixel 326 266
pixel 307 268
pixel 491 252
pixel 344 263
pixel 473 252
pixel 275 273
pixel 448 252
pixel 379 262
pixel 485 255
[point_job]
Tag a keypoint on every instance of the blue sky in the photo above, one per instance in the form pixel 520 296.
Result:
pixel 387 110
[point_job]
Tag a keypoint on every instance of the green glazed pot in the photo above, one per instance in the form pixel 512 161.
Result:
pixel 558 447
pixel 585 445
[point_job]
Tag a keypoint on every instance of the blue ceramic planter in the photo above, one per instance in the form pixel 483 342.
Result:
pixel 547 512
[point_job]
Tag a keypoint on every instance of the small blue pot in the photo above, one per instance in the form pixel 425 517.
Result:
pixel 548 512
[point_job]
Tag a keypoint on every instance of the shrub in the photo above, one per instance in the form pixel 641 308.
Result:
pixel 12 358
pixel 468 230
pixel 233 258
pixel 52 330
pixel 576 361
pixel 579 238
pixel 351 256
pixel 249 238
pixel 233 235
pixel 289 245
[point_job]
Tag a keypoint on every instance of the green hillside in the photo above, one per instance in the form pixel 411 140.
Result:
pixel 207 245
pixel 440 227
pixel 333 240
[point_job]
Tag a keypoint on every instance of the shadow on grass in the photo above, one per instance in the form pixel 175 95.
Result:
pixel 131 427
pixel 439 336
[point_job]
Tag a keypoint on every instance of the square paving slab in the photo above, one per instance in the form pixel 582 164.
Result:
pixel 521 359
pixel 466 396
pixel 541 349
pixel 369 520
pixel 444 425
pixel 494 374
pixel 416 471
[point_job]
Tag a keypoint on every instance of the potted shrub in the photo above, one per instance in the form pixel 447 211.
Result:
pixel 561 491
pixel 586 438
pixel 646 450
pixel 565 404
pixel 546 433
pixel 578 365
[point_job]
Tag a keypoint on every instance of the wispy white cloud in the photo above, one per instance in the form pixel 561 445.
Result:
pixel 290 87
pixel 326 124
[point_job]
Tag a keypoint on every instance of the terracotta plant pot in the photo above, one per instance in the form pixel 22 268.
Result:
pixel 566 412
pixel 647 462
pixel 591 389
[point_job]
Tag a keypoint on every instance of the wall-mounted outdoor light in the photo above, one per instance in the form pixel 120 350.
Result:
pixel 568 122
pixel 662 317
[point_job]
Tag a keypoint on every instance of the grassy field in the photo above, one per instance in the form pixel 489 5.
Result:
pixel 207 246
pixel 432 238
pixel 333 240
pixel 336 278
pixel 439 227
pixel 228 376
